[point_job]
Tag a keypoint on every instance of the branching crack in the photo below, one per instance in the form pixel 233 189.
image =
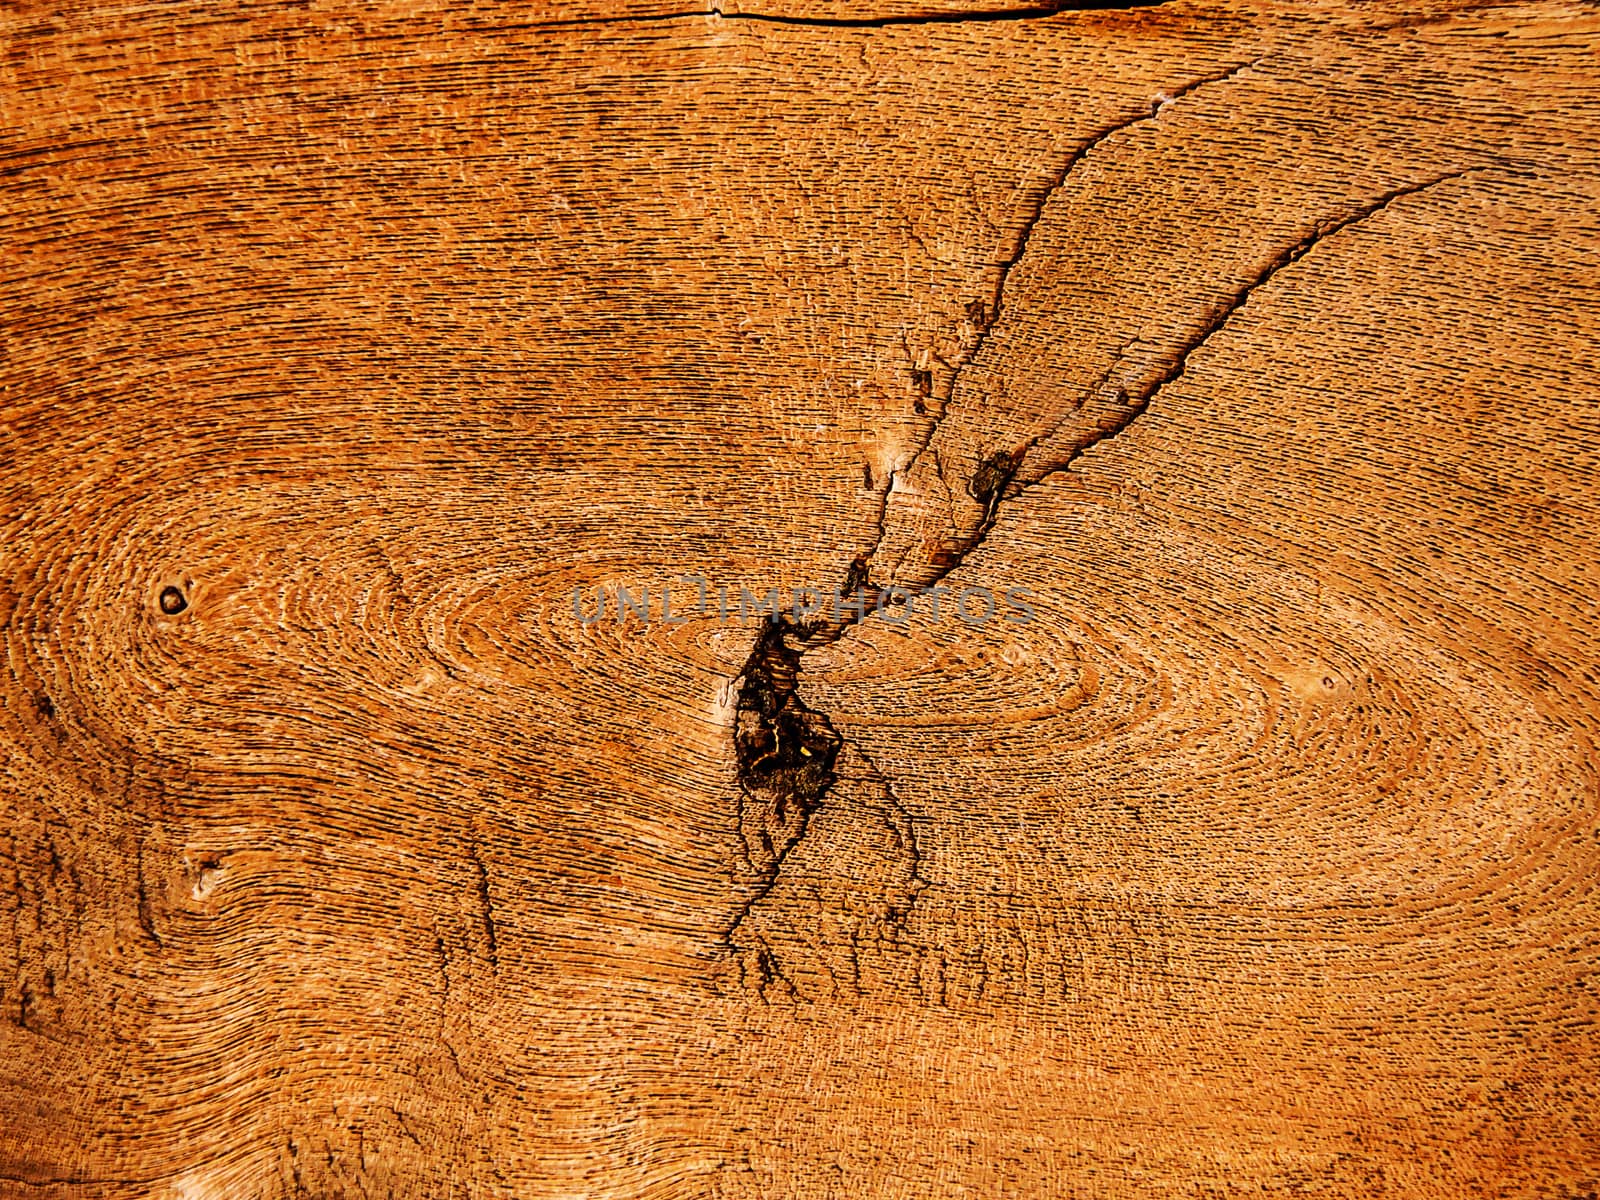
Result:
pixel 787 751
pixel 983 315
pixel 1004 267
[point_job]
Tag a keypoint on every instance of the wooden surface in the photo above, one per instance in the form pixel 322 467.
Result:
pixel 342 344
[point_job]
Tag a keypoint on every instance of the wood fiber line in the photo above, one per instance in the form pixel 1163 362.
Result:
pixel 357 360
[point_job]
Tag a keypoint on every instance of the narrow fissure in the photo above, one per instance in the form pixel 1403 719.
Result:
pixel 1026 12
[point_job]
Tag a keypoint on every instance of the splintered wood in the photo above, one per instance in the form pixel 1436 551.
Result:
pixel 905 602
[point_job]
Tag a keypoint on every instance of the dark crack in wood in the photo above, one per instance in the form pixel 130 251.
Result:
pixel 985 314
pixel 1026 12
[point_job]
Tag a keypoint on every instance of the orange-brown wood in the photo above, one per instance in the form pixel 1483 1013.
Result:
pixel 344 345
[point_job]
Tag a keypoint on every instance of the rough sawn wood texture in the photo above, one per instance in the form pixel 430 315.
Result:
pixel 342 344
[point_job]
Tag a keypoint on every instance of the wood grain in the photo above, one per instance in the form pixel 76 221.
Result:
pixel 342 344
